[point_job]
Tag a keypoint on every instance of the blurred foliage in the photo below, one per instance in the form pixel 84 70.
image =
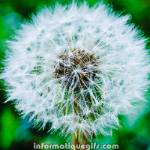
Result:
pixel 18 134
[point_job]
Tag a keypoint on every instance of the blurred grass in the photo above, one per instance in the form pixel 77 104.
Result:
pixel 9 125
pixel 18 134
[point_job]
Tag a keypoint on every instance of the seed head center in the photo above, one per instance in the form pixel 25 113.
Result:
pixel 76 68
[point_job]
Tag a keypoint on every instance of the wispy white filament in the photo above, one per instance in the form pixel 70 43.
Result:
pixel 31 62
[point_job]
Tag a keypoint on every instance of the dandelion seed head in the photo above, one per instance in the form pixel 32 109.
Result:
pixel 78 67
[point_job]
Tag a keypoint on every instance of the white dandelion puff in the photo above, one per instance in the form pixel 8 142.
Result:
pixel 77 68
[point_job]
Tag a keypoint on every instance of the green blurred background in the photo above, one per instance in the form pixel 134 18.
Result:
pixel 17 133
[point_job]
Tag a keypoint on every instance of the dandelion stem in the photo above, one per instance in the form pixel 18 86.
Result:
pixel 80 141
